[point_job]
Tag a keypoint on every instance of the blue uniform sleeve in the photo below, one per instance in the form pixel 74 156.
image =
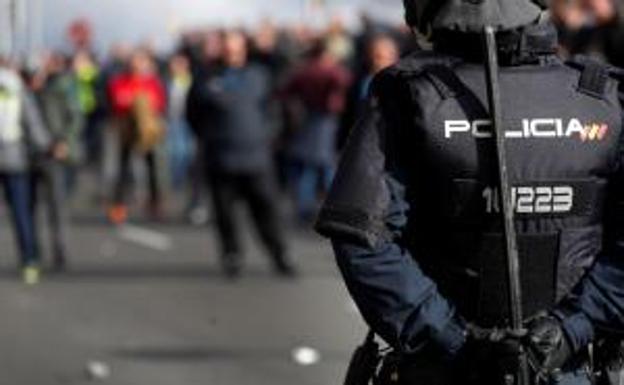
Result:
pixel 394 295
pixel 597 303
pixel 365 215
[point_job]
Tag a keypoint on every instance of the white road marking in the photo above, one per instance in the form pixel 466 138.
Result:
pixel 145 237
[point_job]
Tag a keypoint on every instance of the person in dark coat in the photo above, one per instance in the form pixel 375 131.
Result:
pixel 382 51
pixel 594 27
pixel 57 94
pixel 228 110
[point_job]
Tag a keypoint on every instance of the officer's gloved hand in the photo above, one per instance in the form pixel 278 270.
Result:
pixel 610 353
pixel 609 359
pixel 490 355
pixel 547 344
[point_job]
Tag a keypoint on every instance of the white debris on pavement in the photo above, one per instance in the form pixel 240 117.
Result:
pixel 306 356
pixel 98 370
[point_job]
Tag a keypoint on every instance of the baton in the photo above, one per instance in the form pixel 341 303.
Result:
pixel 509 230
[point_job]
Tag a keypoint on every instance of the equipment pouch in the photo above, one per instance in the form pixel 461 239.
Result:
pixel 364 362
pixel 610 363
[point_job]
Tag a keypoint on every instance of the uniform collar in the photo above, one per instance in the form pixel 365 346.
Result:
pixel 516 47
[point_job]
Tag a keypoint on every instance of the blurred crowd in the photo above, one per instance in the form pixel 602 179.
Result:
pixel 232 116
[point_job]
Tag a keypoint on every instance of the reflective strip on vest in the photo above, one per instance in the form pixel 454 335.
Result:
pixel 10 113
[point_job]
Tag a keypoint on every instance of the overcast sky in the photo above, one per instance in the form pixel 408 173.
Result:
pixel 136 20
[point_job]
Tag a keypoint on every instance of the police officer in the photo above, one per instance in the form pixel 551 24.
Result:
pixel 414 214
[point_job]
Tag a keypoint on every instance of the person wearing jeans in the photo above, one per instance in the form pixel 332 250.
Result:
pixel 17 192
pixel 312 162
pixel 316 95
pixel 22 136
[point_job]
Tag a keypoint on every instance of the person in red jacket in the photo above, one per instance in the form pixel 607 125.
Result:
pixel 138 101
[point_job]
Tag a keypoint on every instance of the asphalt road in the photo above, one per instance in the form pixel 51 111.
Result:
pixel 148 305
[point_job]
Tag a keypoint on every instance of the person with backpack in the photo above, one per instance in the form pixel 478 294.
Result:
pixel 138 100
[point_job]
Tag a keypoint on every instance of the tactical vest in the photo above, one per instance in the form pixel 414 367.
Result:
pixel 563 125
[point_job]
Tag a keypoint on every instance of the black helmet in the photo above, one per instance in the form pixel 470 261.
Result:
pixel 470 15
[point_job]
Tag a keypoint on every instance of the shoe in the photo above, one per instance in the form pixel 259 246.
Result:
pixel 59 263
pixel 118 214
pixel 31 275
pixel 284 268
pixel 232 266
pixel 154 211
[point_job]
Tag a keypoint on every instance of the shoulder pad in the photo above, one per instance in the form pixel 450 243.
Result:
pixel 580 62
pixel 617 73
pixel 414 66
pixel 595 75
pixel 416 63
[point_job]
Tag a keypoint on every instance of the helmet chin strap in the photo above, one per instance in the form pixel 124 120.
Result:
pixel 427 35
pixel 542 3
pixel 424 40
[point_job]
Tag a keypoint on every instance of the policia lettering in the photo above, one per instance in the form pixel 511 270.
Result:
pixel 531 128
pixel 532 199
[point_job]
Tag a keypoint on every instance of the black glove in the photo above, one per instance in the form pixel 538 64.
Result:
pixel 547 344
pixel 609 352
pixel 490 355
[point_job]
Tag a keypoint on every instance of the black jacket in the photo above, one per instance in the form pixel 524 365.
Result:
pixel 227 110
